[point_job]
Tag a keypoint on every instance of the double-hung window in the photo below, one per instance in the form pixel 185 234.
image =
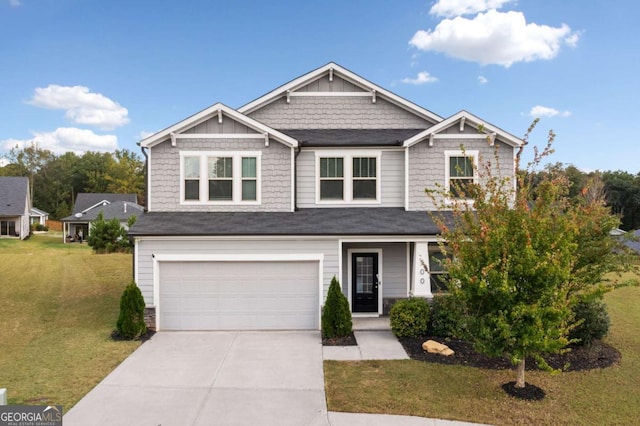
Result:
pixel 460 170
pixel 332 178
pixel 348 176
pixel 220 177
pixel 439 277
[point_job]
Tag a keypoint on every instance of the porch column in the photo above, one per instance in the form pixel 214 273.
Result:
pixel 421 277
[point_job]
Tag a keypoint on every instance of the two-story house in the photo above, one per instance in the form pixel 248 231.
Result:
pixel 252 211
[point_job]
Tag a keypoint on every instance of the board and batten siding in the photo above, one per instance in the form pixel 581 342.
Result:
pixel 275 170
pixel 391 181
pixel 394 267
pixel 147 247
pixel 427 165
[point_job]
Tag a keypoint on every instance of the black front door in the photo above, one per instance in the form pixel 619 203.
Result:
pixel 365 282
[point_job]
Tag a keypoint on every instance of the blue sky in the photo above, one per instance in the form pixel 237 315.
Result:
pixel 79 75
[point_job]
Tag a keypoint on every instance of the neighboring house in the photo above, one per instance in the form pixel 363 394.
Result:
pixel 252 211
pixel 38 217
pixel 633 242
pixel 89 205
pixel 15 204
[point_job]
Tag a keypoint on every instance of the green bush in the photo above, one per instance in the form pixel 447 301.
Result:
pixel 410 317
pixel 447 318
pixel 336 315
pixel 592 321
pixel 109 236
pixel 130 323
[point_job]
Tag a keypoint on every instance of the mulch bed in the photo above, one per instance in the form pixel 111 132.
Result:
pixel 340 341
pixel 579 358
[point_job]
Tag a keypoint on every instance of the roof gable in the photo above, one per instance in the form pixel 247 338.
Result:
pixel 301 87
pixel 86 201
pixel 14 195
pixel 462 119
pixel 218 111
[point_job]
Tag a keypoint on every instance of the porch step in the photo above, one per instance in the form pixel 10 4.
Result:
pixel 371 324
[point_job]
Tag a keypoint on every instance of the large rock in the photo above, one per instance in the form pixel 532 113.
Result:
pixel 434 347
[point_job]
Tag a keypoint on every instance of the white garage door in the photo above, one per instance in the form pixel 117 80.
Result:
pixel 223 295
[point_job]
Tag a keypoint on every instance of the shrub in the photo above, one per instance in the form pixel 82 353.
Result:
pixel 131 320
pixel 447 318
pixel 108 236
pixel 592 321
pixel 410 317
pixel 336 316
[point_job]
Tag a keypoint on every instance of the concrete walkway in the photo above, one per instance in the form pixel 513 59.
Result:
pixel 232 378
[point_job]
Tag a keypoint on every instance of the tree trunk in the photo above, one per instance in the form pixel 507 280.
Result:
pixel 520 370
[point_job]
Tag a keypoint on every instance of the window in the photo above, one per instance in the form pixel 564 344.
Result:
pixel 249 179
pixel 364 178
pixel 460 170
pixel 331 178
pixel 348 176
pixel 438 275
pixel 191 178
pixel 220 178
pixel 8 227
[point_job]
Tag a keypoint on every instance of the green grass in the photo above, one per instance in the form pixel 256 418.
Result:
pixel 58 305
pixel 608 396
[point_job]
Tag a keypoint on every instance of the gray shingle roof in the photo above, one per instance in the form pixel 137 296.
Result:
pixel 85 200
pixel 13 195
pixel 339 221
pixel 351 137
pixel 110 211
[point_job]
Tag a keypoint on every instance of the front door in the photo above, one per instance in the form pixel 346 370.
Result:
pixel 365 282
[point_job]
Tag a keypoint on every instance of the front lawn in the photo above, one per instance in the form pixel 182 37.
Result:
pixel 602 396
pixel 58 306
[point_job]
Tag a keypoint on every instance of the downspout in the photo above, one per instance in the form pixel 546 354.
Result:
pixel 295 177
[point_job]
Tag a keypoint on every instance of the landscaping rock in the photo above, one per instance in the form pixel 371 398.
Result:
pixel 434 347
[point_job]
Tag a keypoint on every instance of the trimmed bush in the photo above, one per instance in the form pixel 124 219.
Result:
pixel 130 323
pixel 592 319
pixel 336 315
pixel 447 318
pixel 410 317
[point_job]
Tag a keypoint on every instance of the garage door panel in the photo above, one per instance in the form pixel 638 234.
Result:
pixel 238 295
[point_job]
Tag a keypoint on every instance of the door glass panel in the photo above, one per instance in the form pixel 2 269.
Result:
pixel 364 275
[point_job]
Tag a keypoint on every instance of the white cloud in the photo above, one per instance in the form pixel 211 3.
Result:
pixel 144 134
pixel 482 79
pixel 82 106
pixel 451 8
pixel 423 77
pixel 65 139
pixel 543 111
pixel 495 38
pixel 15 3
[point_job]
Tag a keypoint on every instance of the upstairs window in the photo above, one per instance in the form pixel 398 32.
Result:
pixel 331 178
pixel 460 170
pixel 364 178
pixel 192 178
pixel 220 178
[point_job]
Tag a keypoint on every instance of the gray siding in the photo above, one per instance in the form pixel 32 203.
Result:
pixel 391 181
pixel 213 126
pixel 324 85
pixel 394 267
pixel 339 112
pixel 427 165
pixel 148 247
pixel 165 174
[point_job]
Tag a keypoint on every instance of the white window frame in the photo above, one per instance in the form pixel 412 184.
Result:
pixel 237 177
pixel 447 166
pixel 347 189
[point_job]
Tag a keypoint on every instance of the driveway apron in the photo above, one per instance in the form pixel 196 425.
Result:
pixel 212 378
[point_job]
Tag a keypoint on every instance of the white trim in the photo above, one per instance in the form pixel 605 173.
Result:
pixel 471 119
pixel 241 257
pixel 408 258
pixel 329 94
pixel 216 110
pixel 149 168
pixel 220 136
pixel 101 203
pixel 350 252
pixel 337 70
pixel 236 179
pixel 136 260
pixel 406 179
pixel 293 172
pixel 347 169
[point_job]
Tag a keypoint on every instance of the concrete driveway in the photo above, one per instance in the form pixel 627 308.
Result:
pixel 212 378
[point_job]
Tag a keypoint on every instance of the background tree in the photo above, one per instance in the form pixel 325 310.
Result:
pixel 28 161
pixel 126 174
pixel 517 260
pixel 108 236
